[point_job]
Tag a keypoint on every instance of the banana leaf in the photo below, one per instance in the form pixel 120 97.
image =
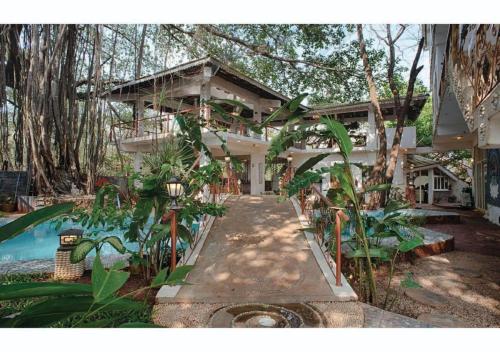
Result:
pixel 41 289
pixel 34 218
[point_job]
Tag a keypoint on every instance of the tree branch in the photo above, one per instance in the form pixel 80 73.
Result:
pixel 262 51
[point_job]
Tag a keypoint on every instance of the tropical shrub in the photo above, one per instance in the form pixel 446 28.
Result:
pixel 79 304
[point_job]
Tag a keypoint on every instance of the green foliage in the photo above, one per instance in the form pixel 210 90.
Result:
pixel 409 282
pixel 41 289
pixel 106 282
pixel 302 181
pixel 79 305
pixel 380 253
pixel 337 131
pixel 309 163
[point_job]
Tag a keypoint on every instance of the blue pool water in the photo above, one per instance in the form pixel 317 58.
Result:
pixel 41 242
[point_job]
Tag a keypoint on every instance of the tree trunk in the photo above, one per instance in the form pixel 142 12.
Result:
pixel 402 111
pixel 377 174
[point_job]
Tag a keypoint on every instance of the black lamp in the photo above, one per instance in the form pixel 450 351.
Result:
pixel 175 189
pixel 68 238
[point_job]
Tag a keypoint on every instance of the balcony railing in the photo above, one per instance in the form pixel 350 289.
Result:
pixel 154 126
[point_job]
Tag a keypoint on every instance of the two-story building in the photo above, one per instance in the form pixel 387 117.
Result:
pixel 157 97
pixel 465 76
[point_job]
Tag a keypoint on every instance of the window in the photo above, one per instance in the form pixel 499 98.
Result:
pixel 441 181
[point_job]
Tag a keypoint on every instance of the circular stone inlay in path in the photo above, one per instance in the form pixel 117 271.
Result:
pixel 256 315
pixel 442 320
pixel 423 296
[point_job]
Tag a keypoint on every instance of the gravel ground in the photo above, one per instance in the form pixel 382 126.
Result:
pixel 468 284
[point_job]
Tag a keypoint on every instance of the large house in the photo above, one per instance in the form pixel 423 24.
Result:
pixel 465 76
pixel 187 86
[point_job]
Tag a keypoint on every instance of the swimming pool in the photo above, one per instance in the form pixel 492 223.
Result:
pixel 41 242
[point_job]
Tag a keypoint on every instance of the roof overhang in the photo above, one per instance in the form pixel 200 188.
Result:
pixel 161 79
pixel 360 109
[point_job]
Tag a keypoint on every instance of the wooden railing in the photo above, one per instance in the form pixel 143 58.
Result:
pixel 313 201
pixel 164 124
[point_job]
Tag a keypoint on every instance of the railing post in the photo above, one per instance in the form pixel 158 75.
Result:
pixel 338 258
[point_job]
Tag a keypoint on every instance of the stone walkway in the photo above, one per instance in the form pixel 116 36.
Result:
pixel 378 318
pixel 256 253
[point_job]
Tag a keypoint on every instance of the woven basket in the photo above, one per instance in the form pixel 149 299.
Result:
pixel 65 270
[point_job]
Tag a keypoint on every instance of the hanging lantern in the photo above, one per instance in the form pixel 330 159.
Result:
pixel 289 158
pixel 227 158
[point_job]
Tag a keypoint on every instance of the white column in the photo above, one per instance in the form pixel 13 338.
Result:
pixel 257 117
pixel 205 114
pixel 371 139
pixel 139 108
pixel 138 161
pixel 430 189
pixel 257 170
pixel 205 94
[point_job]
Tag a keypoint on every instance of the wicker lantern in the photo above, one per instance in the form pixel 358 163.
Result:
pixel 64 269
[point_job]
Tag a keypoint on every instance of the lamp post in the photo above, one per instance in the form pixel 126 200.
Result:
pixel 227 159
pixel 175 189
pixel 64 268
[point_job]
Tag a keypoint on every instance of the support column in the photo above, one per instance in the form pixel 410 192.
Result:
pixel 257 117
pixel 257 170
pixel 205 115
pixel 139 111
pixel 430 188
pixel 138 161
pixel 205 94
pixel 371 138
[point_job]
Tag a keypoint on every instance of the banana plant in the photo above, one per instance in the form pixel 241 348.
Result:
pixel 23 223
pixel 87 244
pixel 328 129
